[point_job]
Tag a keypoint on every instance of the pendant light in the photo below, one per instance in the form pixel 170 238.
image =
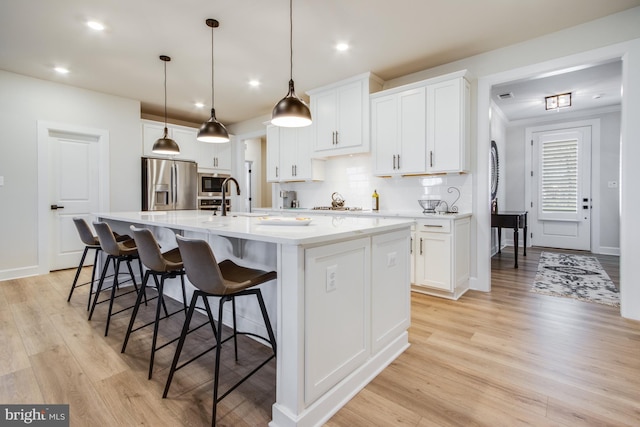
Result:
pixel 291 111
pixel 212 130
pixel 165 145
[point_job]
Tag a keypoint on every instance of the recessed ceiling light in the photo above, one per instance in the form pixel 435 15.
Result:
pixel 341 47
pixel 199 104
pixel 95 25
pixel 61 70
pixel 254 83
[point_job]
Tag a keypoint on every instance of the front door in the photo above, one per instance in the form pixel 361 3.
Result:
pixel 560 214
pixel 74 191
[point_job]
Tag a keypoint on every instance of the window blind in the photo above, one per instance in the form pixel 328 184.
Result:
pixel 559 177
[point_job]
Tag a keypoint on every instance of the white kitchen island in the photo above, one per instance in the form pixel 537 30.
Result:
pixel 341 304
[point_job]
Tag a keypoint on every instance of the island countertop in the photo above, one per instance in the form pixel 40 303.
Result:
pixel 340 304
pixel 241 225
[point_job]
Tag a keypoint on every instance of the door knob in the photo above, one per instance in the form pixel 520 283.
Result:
pixel 56 207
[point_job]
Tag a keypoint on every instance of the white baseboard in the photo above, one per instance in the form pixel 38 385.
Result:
pixel 606 250
pixel 18 273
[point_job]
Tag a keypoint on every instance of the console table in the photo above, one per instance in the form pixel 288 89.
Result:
pixel 511 219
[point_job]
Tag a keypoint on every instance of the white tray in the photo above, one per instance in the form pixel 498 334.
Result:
pixel 284 220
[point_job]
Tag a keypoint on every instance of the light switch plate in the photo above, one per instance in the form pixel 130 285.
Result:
pixel 391 259
pixel 612 184
pixel 331 278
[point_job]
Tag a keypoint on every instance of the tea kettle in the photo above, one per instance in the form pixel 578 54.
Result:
pixel 337 201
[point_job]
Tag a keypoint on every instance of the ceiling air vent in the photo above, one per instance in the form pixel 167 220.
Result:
pixel 506 95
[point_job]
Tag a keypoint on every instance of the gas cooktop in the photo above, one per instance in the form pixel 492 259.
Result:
pixel 336 208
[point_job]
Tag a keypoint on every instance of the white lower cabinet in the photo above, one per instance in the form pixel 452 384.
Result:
pixel 356 303
pixel 336 313
pixel 442 257
pixel 390 296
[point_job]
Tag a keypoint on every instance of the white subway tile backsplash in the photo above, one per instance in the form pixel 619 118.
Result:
pixel 352 177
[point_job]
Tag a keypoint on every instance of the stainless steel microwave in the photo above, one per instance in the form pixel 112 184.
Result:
pixel 210 185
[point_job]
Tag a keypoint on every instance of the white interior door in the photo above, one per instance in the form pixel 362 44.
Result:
pixel 74 191
pixel 561 188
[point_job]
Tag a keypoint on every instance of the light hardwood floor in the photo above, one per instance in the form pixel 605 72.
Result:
pixel 505 358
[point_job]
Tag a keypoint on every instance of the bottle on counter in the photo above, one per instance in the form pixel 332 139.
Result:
pixel 375 201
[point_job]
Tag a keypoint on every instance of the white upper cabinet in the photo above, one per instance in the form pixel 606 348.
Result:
pixel 289 155
pixel 340 114
pixel 448 111
pixel 398 132
pixel 273 154
pixel 214 157
pixel 210 157
pixel 422 128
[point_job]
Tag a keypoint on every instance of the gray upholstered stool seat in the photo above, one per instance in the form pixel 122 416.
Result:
pixel 91 242
pixel 227 281
pixel 167 265
pixel 117 252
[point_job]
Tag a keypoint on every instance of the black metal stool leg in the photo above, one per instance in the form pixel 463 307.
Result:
pixel 235 333
pixel 78 270
pixel 183 335
pixel 135 310
pixel 216 375
pixel 99 289
pixel 184 292
pixel 267 323
pixel 93 277
pixel 114 286
pixel 160 303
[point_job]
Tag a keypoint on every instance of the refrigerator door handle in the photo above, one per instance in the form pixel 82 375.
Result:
pixel 173 185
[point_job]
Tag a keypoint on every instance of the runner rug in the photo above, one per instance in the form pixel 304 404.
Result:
pixel 574 276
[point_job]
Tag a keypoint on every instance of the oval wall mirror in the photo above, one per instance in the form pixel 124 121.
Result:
pixel 494 170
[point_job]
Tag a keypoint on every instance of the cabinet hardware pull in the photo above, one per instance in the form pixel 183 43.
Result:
pixel 398 161
pixel 411 246
pixel 431 158
pixel 433 226
pixel 421 246
pixel 394 161
pixel 337 140
pixel 276 172
pixel 333 138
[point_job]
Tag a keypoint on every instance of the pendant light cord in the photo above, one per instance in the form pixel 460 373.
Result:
pixel 290 39
pixel 165 98
pixel 212 80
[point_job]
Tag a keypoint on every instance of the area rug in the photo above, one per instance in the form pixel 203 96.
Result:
pixel 574 276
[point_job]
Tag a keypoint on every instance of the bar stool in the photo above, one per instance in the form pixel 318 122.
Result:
pixel 117 252
pixel 167 265
pixel 227 281
pixel 91 242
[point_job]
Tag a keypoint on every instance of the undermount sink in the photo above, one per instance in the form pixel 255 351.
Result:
pixel 232 214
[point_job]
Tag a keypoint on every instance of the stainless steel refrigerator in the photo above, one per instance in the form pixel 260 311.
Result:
pixel 169 184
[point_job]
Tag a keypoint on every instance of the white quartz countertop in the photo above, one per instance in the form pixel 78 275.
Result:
pixel 414 214
pixel 321 228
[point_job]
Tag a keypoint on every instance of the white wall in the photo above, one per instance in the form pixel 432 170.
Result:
pixel 24 101
pixel 499 135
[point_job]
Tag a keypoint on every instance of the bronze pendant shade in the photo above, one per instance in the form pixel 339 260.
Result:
pixel 212 130
pixel 165 145
pixel 291 111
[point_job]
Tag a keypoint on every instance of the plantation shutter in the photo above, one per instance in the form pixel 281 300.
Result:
pixel 558 181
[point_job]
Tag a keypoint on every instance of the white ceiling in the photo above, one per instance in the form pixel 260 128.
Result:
pixel 591 87
pixel 389 38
